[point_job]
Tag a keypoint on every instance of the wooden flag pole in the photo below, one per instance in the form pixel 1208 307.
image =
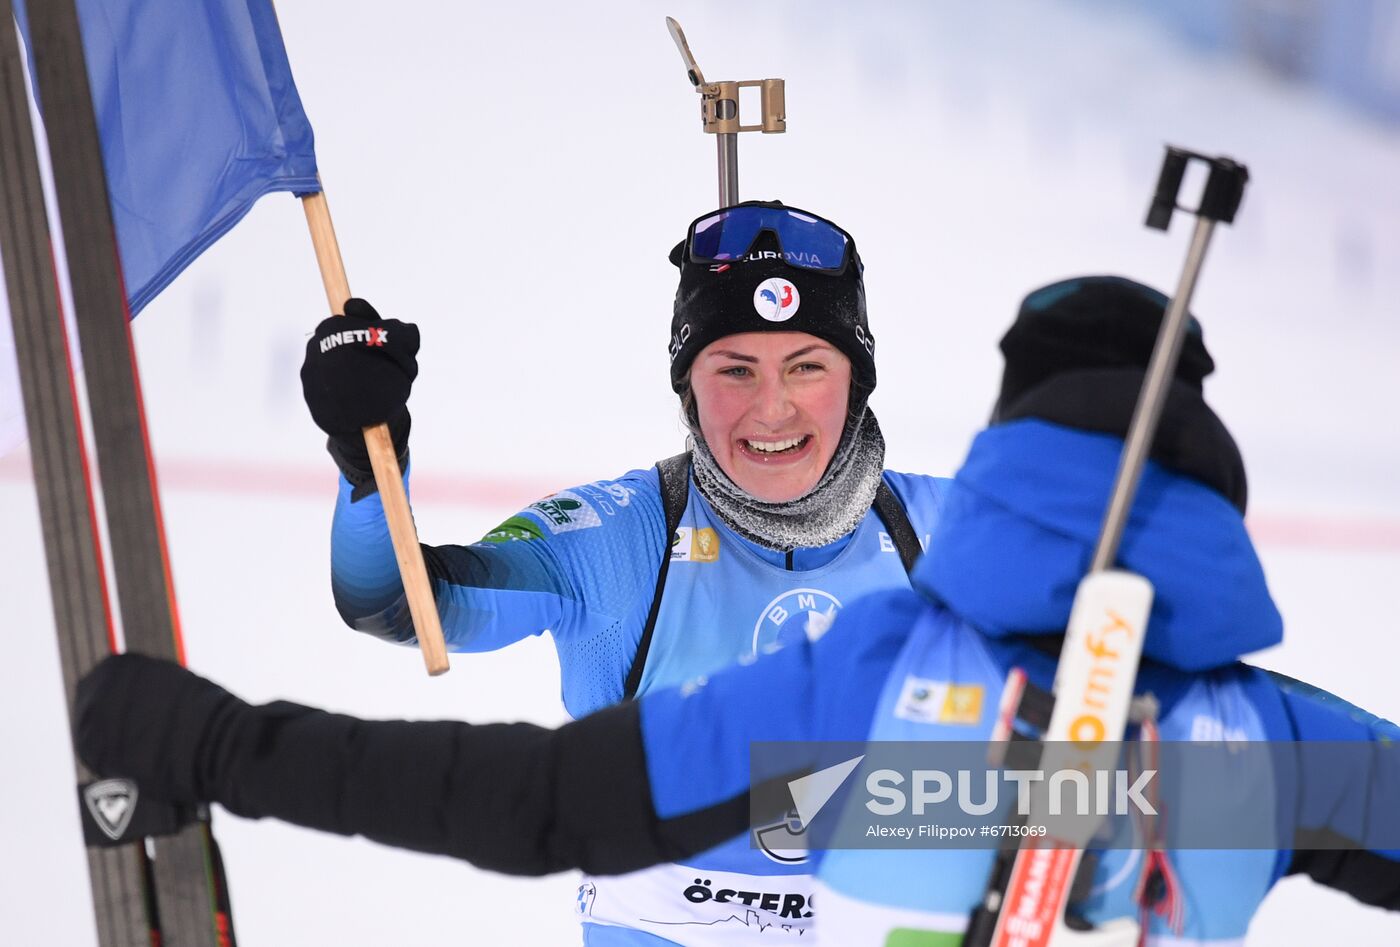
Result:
pixel 387 475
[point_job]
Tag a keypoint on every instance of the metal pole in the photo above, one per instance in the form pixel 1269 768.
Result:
pixel 727 146
pixel 1151 401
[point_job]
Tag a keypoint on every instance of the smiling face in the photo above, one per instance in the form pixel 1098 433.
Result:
pixel 772 406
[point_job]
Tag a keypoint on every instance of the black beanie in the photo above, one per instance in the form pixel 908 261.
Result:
pixel 763 293
pixel 1076 355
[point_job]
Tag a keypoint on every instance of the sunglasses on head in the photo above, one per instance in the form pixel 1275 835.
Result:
pixel 805 240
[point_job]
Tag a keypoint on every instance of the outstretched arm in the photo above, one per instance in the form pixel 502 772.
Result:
pixel 634 785
pixel 513 798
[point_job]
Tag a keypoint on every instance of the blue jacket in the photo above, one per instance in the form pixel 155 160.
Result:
pixel 1014 538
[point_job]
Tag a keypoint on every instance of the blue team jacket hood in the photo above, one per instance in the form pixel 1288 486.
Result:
pixel 1018 529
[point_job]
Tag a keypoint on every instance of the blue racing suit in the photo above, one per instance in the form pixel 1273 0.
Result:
pixel 583 564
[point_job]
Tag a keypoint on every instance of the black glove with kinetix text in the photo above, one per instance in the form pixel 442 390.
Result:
pixel 358 372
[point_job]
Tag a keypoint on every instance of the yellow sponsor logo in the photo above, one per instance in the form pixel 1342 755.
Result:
pixel 704 545
pixel 962 705
pixel 695 545
pixel 928 701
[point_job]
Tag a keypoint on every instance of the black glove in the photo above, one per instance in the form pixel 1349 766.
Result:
pixel 358 372
pixel 153 722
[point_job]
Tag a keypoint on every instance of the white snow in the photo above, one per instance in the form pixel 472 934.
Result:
pixel 511 177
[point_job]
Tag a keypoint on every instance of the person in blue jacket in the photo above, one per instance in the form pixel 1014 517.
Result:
pixel 779 514
pixel 668 775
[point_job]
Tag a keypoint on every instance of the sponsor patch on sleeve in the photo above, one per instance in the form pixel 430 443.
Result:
pixel 926 701
pixel 565 512
pixel 515 529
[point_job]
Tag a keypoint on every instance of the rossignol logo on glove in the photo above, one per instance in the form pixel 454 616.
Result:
pixel 111 803
pixel 371 337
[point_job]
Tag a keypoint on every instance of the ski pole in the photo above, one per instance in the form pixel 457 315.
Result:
pixel 387 476
pixel 719 114
pixel 1026 901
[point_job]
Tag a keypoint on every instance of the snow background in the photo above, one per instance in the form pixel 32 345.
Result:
pixel 511 177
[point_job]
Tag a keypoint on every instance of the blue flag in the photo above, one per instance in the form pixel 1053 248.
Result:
pixel 198 116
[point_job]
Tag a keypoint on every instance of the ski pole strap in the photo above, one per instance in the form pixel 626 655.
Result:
pixel 674 475
pixel 896 520
pixel 114 813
